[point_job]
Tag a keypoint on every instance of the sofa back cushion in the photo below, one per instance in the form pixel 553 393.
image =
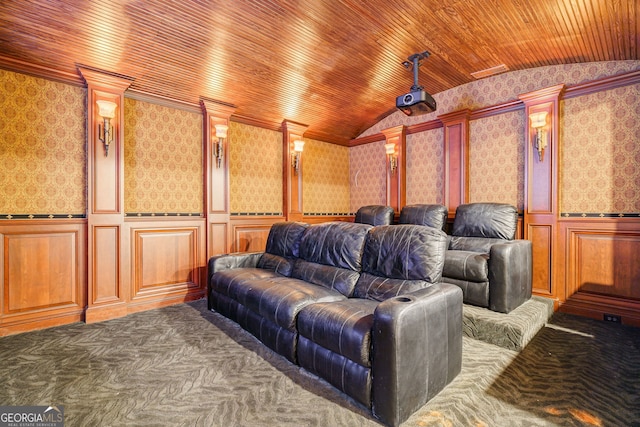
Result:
pixel 430 215
pixel 375 215
pixel 331 255
pixel 399 259
pixel 283 247
pixel 493 220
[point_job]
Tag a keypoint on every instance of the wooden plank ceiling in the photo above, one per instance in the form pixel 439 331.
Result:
pixel 334 65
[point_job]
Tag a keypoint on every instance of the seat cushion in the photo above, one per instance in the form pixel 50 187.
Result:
pixel 230 282
pixel 338 279
pixel 344 327
pixel 378 288
pixel 280 300
pixel 466 265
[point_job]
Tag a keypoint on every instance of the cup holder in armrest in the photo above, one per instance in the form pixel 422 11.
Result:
pixel 403 299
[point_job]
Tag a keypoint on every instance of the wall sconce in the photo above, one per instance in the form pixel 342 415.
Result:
pixel 106 110
pixel 218 151
pixel 391 154
pixel 538 122
pixel 298 145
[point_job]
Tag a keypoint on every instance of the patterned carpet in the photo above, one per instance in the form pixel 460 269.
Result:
pixel 185 366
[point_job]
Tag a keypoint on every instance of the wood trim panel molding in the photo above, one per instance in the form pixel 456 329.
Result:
pixel 250 234
pixel 165 261
pixel 602 273
pixel 43 274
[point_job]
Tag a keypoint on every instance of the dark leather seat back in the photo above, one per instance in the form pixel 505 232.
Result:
pixel 375 215
pixel 399 259
pixel 430 215
pixel 492 220
pixel 283 247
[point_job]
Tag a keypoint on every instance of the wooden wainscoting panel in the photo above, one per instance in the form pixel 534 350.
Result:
pixel 605 263
pixel 250 234
pixel 166 260
pixel 40 271
pixel 218 242
pixel 43 274
pixel 106 264
pixel 541 238
pixel 602 272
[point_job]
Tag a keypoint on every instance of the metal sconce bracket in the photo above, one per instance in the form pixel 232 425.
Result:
pixel 538 122
pixel 218 149
pixel 298 146
pixel 106 110
pixel 390 149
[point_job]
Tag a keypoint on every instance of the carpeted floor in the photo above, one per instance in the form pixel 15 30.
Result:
pixel 185 366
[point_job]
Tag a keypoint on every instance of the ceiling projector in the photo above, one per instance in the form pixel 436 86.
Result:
pixel 417 101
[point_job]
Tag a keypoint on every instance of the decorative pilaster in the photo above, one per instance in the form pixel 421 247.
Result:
pixel 456 159
pixel 108 292
pixel 216 191
pixel 541 186
pixel 292 179
pixel 396 166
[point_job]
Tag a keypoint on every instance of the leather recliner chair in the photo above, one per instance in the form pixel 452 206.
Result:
pixel 493 269
pixel 375 215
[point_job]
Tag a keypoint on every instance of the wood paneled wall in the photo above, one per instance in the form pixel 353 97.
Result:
pixel 43 272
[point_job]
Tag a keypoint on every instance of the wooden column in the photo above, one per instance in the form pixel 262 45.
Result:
pixel 541 189
pixel 397 180
pixel 456 159
pixel 216 191
pixel 291 181
pixel 107 291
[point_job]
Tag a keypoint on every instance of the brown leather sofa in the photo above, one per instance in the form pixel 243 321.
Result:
pixel 361 307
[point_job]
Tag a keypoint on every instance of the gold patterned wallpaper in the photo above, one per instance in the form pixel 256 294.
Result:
pixel 42 147
pixel 425 160
pixel 496 159
pixel 496 152
pixel 506 87
pixel 255 170
pixel 163 159
pixel 367 173
pixel 325 178
pixel 600 152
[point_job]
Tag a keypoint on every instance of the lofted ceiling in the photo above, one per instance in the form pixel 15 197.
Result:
pixel 334 65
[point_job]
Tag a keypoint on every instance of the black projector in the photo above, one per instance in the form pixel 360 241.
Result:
pixel 415 103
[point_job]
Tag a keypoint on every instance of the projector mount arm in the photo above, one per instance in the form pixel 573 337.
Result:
pixel 414 62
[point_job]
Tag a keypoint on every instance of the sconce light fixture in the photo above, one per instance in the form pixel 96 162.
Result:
pixel 218 151
pixel 538 122
pixel 298 145
pixel 106 110
pixel 391 154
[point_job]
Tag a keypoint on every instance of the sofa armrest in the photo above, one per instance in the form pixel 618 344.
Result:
pixel 416 349
pixel 234 260
pixel 510 275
